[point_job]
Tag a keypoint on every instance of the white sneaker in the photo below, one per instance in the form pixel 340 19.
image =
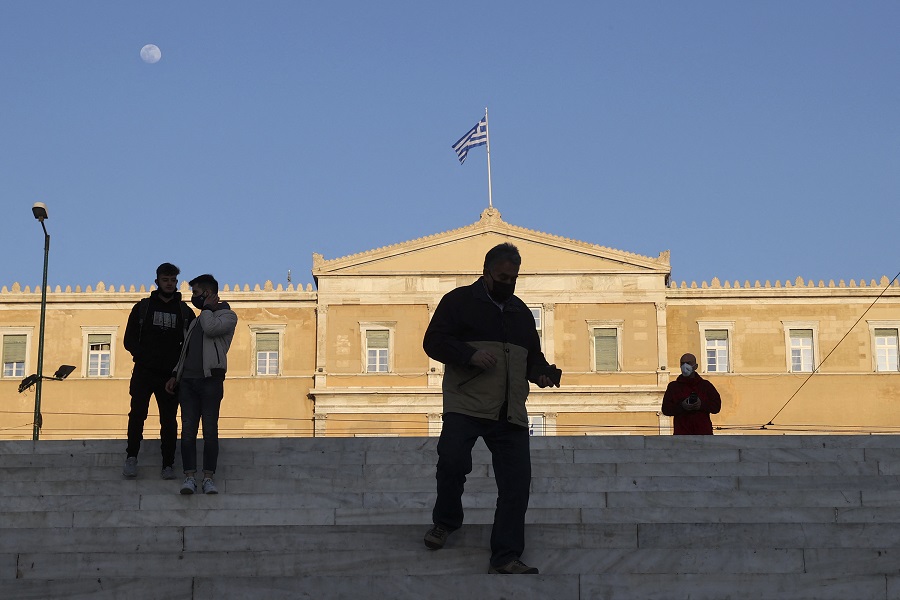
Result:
pixel 209 487
pixel 189 486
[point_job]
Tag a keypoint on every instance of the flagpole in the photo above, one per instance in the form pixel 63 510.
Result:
pixel 487 132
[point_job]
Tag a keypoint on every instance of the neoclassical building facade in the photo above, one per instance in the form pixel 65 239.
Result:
pixel 345 357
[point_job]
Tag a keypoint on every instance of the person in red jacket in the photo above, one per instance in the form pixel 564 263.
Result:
pixel 690 399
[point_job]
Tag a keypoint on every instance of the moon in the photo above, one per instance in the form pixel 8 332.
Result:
pixel 150 54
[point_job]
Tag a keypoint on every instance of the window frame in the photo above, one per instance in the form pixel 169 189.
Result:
pixel 873 327
pixel 728 327
pixel 27 332
pixel 256 329
pixel 537 426
pixel 538 321
pixel 801 325
pixel 86 331
pixel 364 328
pixel 618 325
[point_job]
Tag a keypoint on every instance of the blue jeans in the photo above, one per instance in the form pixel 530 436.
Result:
pixel 511 457
pixel 200 399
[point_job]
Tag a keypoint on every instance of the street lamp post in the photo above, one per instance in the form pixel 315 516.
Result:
pixel 40 213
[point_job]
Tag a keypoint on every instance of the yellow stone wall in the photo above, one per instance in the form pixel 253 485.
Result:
pixel 83 407
pixel 322 388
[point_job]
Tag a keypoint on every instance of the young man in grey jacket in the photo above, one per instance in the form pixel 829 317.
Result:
pixel 199 377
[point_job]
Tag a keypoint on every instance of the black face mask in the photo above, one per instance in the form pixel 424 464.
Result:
pixel 198 301
pixel 501 292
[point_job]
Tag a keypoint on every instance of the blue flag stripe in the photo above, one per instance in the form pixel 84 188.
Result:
pixel 477 136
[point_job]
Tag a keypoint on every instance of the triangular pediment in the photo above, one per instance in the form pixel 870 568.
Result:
pixel 461 251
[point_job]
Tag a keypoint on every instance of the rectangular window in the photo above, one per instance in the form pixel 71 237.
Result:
pixel 716 350
pixel 536 313
pixel 267 353
pixel 377 350
pixel 801 350
pixel 886 344
pixel 606 349
pixel 535 425
pixel 99 345
pixel 14 355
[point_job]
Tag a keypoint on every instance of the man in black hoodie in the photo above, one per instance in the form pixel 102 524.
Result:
pixel 154 335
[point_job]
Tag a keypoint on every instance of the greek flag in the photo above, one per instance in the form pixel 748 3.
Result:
pixel 477 136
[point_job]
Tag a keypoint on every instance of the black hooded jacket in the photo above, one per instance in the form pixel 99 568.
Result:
pixel 156 330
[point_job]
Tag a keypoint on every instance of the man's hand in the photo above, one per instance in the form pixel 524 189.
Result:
pixel 483 360
pixel 544 381
pixel 170 385
pixel 689 406
pixel 211 300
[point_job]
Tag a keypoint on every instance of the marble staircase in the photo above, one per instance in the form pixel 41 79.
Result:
pixel 610 517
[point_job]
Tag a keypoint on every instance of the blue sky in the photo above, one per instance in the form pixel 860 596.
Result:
pixel 755 140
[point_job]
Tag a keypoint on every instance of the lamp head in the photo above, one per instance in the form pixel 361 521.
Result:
pixel 40 211
pixel 63 371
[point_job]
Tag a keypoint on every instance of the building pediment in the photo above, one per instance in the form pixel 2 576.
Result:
pixel 461 251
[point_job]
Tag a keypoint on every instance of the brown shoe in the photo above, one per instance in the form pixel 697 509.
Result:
pixel 513 567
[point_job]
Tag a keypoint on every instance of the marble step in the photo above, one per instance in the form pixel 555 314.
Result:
pixel 386 538
pixel 462 561
pixel 370 472
pixel 403 500
pixel 607 586
pixel 203 516
pixel 692 444
pixel 397 480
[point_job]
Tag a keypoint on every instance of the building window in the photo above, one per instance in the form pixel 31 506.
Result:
pixel 267 349
pixel 801 350
pixel 267 352
pixel 886 344
pixel 99 354
pixel 538 322
pixel 14 353
pixel 715 343
pixel 606 345
pixel 536 425
pixel 716 350
pixel 377 345
pixel 801 342
pixel 606 349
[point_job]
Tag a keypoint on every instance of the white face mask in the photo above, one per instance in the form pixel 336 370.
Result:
pixel 686 370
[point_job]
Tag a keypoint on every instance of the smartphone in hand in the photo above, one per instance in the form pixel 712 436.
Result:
pixel 552 373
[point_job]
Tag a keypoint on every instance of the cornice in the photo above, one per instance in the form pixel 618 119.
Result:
pixel 490 221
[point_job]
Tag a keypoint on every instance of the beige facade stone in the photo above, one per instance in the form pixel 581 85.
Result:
pixel 376 305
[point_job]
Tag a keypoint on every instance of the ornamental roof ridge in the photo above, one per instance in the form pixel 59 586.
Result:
pixel 716 284
pixel 16 289
pixel 489 216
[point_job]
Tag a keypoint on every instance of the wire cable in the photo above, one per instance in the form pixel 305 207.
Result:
pixel 816 370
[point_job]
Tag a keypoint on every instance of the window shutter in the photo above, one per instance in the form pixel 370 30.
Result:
pixel 889 333
pixel 98 338
pixel 14 348
pixel 377 338
pixel 717 334
pixel 267 342
pixel 605 350
pixel 801 334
